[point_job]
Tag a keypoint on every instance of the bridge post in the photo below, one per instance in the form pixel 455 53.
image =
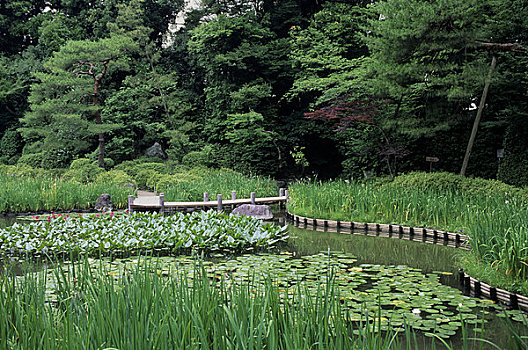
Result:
pixel 162 203
pixel 219 205
pixel 233 195
pixel 130 203
pixel 252 197
pixel 206 197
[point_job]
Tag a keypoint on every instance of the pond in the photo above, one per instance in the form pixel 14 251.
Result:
pixel 405 281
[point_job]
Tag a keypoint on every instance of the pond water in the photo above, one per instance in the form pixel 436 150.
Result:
pixel 415 282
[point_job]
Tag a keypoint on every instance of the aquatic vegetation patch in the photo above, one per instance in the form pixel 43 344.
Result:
pixel 395 296
pixel 95 306
pixel 107 232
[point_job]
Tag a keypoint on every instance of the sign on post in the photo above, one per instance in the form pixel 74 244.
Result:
pixel 431 160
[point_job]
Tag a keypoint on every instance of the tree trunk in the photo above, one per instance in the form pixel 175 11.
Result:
pixel 479 115
pixel 100 155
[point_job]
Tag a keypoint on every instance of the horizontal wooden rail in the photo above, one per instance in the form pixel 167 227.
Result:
pixel 158 202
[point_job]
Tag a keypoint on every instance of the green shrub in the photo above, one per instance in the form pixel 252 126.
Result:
pixel 167 181
pixel 56 158
pixel 133 167
pixel 31 159
pixel 430 181
pixel 201 158
pixel 82 170
pixel 514 170
pixel 81 163
pixel 147 179
pixel 10 143
pixel 114 177
pixel 444 181
pixel 24 171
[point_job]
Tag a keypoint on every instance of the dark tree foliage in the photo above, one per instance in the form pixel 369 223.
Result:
pixel 280 87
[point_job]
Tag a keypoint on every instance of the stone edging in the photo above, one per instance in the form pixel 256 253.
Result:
pixel 470 285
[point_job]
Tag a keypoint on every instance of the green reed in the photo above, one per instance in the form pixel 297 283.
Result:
pixel 218 182
pixel 139 309
pixel 497 225
pixel 31 194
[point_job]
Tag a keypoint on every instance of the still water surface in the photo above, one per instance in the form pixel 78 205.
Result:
pixel 386 251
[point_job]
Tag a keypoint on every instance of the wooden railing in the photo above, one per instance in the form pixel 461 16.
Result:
pixel 159 203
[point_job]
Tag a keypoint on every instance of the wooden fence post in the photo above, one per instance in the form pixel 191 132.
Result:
pixel 130 203
pixel 233 195
pixel 162 203
pixel 281 194
pixel 219 205
pixel 206 197
pixel 252 197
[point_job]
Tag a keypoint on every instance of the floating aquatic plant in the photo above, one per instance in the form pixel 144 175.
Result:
pixel 395 296
pixel 87 233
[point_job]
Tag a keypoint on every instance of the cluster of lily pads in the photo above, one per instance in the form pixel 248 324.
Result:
pixel 108 232
pixel 394 296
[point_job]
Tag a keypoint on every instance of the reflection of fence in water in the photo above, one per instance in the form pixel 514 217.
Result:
pixel 418 234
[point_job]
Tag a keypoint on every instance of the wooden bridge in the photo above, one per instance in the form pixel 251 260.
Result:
pixel 151 201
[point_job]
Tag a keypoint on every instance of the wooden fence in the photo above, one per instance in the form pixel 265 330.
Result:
pixel 159 203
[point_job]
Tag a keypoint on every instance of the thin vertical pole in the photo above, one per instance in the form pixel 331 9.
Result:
pixel 479 115
pixel 162 203
pixel 252 197
pixel 130 203
pixel 219 205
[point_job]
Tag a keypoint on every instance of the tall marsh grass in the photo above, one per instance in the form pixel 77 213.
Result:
pixel 140 309
pixel 185 188
pixel 47 193
pixel 497 225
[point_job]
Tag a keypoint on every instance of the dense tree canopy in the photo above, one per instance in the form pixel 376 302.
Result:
pixel 279 87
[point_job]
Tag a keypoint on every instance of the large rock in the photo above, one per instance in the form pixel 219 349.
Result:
pixel 258 211
pixel 155 151
pixel 104 203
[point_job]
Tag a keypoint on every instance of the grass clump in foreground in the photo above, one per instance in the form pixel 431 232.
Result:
pixel 209 230
pixel 143 310
pixel 493 215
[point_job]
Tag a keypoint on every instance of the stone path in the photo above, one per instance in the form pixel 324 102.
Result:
pixel 146 198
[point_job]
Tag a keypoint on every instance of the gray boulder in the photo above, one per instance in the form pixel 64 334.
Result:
pixel 155 151
pixel 258 211
pixel 104 203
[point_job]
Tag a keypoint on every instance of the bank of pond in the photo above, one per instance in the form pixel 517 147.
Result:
pixel 493 215
pixel 264 287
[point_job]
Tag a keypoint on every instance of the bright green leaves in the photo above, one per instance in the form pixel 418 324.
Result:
pixel 103 232
pixel 328 54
